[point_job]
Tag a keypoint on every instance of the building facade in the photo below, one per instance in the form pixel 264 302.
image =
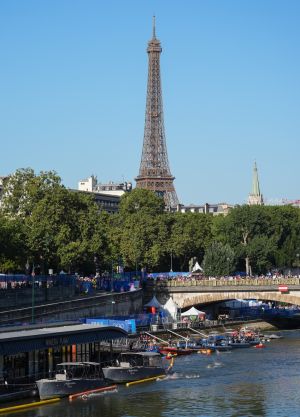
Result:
pixel 109 203
pixel 91 185
pixel 214 209
pixel 107 196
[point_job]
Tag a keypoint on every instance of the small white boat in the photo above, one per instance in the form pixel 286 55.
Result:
pixel 275 336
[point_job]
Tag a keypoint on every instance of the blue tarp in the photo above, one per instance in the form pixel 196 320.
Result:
pixel 141 320
pixel 63 279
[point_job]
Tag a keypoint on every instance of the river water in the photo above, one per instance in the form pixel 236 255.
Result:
pixel 244 382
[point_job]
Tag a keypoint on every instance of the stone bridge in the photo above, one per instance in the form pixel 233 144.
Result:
pixel 192 292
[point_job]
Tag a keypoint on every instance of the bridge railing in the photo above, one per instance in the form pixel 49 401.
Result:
pixel 224 282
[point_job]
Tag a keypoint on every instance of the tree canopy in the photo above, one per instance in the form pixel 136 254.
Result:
pixel 43 222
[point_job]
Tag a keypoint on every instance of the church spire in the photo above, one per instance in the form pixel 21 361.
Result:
pixel 255 182
pixel 255 197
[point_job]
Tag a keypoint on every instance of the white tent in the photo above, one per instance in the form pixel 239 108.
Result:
pixel 171 308
pixel 154 303
pixel 192 312
pixel 197 268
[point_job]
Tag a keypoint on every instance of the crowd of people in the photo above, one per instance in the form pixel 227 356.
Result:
pixel 90 284
pixel 239 277
pixel 81 284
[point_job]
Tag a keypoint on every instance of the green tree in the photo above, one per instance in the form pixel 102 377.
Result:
pixel 12 245
pixel 64 230
pixel 261 251
pixel 285 227
pixel 190 233
pixel 242 224
pixel 219 259
pixel 140 231
pixel 141 201
pixel 24 189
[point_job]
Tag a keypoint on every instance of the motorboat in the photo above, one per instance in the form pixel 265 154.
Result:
pixel 71 378
pixel 133 366
pixel 238 344
pixel 173 350
pixel 191 345
pixel 274 336
pixel 216 342
pixel 241 339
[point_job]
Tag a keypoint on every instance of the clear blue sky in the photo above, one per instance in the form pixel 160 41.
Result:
pixel 73 80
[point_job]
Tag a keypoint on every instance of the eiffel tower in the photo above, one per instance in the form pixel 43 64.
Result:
pixel 154 171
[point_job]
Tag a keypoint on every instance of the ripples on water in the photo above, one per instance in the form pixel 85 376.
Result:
pixel 245 383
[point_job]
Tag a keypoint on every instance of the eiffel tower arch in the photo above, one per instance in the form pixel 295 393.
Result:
pixel 154 173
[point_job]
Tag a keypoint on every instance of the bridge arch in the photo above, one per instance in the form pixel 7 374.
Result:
pixel 184 300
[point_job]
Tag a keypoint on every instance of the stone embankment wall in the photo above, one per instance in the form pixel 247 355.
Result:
pixel 112 304
pixel 22 297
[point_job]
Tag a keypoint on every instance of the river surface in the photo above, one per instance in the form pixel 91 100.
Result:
pixel 244 382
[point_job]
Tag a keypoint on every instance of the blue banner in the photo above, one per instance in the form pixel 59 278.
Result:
pixel 128 325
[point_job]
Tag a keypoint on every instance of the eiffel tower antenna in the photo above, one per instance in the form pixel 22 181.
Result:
pixel 153 28
pixel 154 173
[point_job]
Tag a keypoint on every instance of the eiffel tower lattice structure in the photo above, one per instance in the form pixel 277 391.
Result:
pixel 154 173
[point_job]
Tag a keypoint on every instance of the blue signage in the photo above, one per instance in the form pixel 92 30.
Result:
pixel 128 325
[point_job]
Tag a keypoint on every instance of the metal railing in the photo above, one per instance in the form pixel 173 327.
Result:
pixel 206 325
pixel 227 282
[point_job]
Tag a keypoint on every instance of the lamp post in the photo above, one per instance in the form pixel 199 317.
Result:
pixel 27 266
pixel 112 276
pixel 112 307
pixel 97 265
pixel 32 294
pixel 171 258
pixel 227 259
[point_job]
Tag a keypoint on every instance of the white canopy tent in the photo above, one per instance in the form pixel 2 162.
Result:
pixel 197 268
pixel 171 308
pixel 154 303
pixel 192 312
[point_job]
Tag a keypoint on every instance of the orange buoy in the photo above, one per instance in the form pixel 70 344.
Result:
pixel 205 351
pixel 259 346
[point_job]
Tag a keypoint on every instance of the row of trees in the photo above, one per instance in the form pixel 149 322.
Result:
pixel 44 223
